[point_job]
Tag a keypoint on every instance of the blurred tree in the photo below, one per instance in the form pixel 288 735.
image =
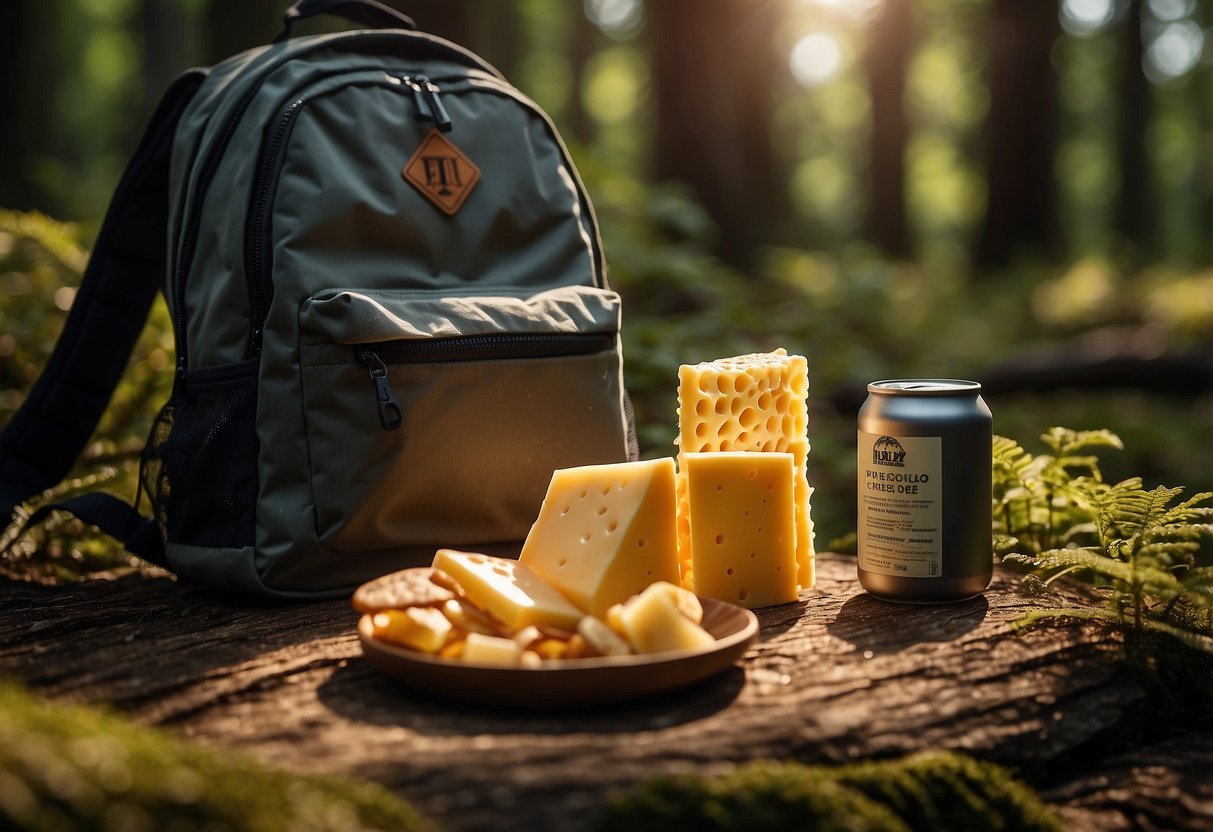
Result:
pixel 168 48
pixel 1021 131
pixel 28 70
pixel 714 77
pixel 231 26
pixel 887 57
pixel 487 27
pixel 1132 218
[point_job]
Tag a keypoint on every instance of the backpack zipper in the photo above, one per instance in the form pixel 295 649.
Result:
pixel 428 106
pixel 426 101
pixel 505 346
pixel 193 216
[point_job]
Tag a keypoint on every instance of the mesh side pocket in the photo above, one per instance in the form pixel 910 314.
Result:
pixel 199 468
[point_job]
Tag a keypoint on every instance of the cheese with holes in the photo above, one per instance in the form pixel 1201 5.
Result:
pixel 663 617
pixel 755 402
pixel 743 526
pixel 509 591
pixel 605 532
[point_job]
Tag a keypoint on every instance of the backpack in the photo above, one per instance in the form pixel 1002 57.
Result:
pixel 390 309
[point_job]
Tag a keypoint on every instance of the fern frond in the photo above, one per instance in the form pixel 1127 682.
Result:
pixel 58 239
pixel 1084 613
pixel 1066 442
pixel 1189 510
pixel 1197 641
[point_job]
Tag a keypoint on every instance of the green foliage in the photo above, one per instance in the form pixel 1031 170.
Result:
pixel 1147 550
pixel 938 790
pixel 41 263
pixel 64 767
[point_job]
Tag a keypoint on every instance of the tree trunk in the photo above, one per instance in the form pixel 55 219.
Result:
pixel 168 48
pixel 1021 128
pixel 29 72
pixel 231 26
pixel 887 59
pixel 1133 215
pixel 714 73
pixel 834 677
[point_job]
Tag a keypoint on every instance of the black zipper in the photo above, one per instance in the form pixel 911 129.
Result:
pixel 427 107
pixel 379 355
pixel 258 230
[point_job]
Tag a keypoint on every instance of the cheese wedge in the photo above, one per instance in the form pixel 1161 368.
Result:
pixel 753 402
pixel 605 532
pixel 743 529
pixel 509 591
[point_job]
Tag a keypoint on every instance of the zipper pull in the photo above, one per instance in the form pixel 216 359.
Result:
pixel 389 408
pixel 423 109
pixel 442 119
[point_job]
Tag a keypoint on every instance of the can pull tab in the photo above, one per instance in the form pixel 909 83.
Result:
pixel 390 415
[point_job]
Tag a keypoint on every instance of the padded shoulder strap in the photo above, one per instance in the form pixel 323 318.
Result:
pixel 43 439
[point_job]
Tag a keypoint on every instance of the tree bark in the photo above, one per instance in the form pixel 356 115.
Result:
pixel 834 677
pixel 1021 128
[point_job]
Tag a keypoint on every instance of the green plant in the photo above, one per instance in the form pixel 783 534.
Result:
pixel 74 767
pixel 935 790
pixel 1145 550
pixel 41 264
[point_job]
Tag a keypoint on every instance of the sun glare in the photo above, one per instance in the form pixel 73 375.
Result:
pixel 816 58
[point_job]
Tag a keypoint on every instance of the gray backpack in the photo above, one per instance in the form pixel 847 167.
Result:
pixel 390 307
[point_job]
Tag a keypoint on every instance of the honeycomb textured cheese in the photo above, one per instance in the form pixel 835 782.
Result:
pixel 755 402
pixel 605 532
pixel 508 590
pixel 743 530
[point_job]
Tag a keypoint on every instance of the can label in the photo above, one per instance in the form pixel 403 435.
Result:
pixel 901 505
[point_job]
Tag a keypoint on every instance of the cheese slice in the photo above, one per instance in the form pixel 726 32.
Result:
pixel 605 532
pixel 743 528
pixel 755 402
pixel 508 590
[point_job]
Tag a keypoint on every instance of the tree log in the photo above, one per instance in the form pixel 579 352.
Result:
pixel 834 677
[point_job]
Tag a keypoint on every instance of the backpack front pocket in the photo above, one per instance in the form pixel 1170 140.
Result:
pixel 434 419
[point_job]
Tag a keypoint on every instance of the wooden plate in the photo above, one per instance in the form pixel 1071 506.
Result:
pixel 574 681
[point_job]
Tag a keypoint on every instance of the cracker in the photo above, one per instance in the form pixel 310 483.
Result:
pixel 421 586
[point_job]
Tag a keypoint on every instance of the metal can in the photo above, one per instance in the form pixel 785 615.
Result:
pixel 925 524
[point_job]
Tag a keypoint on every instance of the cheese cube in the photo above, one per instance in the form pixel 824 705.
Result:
pixel 753 402
pixel 743 530
pixel 605 532
pixel 481 649
pixel 508 590
pixel 418 628
pixel 656 620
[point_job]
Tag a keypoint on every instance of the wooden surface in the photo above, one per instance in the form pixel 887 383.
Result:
pixel 835 677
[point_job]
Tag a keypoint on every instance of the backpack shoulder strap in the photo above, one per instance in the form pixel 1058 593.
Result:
pixel 45 436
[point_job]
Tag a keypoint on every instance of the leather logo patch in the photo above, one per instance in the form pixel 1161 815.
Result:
pixel 441 172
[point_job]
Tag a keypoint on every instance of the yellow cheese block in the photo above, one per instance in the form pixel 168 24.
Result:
pixel 743 528
pixel 481 649
pixel 656 620
pixel 508 590
pixel 605 532
pixel 418 628
pixel 755 402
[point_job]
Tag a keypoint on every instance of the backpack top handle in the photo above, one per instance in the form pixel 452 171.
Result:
pixel 367 12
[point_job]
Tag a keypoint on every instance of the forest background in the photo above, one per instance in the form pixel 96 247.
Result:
pixel 1016 192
